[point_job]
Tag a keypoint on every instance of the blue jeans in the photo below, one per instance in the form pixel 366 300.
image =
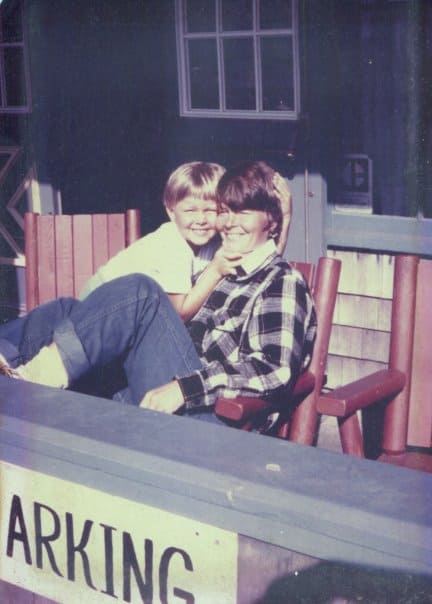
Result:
pixel 130 319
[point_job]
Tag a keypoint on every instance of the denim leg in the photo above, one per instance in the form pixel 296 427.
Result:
pixel 22 338
pixel 129 318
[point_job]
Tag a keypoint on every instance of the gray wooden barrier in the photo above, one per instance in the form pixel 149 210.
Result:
pixel 159 500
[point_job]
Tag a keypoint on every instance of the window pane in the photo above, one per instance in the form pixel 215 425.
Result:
pixel 14 76
pixel 236 15
pixel 239 73
pixel 277 73
pixel 203 71
pixel 11 25
pixel 200 15
pixel 275 14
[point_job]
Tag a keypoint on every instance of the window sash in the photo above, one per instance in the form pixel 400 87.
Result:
pixel 185 39
pixel 23 86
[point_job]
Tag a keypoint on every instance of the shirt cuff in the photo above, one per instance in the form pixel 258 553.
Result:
pixel 192 387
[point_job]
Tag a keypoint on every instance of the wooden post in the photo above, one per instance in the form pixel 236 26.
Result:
pixel 304 421
pixel 133 226
pixel 401 351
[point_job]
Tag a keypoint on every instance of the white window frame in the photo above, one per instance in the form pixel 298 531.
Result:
pixel 4 106
pixel 222 112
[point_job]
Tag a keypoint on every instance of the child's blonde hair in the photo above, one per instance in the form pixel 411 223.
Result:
pixel 195 179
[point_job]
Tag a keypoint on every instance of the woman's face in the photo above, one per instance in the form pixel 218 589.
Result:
pixel 245 230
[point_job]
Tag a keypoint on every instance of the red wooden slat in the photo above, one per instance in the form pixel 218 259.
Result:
pixel 64 259
pixel 82 250
pixel 100 240
pixel 401 347
pixel 46 259
pixel 420 411
pixel 133 226
pixel 307 270
pixel 116 233
pixel 32 283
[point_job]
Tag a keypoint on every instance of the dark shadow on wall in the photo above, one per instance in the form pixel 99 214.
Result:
pixel 329 583
pixel 98 89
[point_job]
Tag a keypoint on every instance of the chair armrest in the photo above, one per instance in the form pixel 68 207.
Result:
pixel 305 384
pixel 240 408
pixel 346 400
pixel 243 408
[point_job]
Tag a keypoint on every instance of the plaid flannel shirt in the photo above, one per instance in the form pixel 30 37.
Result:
pixel 254 334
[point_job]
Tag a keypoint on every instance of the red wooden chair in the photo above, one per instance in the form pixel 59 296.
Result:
pixel 405 385
pixel 63 251
pixel 299 415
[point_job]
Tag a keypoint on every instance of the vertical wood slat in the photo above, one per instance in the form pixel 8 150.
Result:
pixel 307 270
pixel 133 225
pixel 32 286
pixel 46 259
pixel 82 250
pixel 116 233
pixel 64 255
pixel 420 411
pixel 100 240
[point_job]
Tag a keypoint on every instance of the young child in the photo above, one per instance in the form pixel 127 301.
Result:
pixel 188 246
pixel 182 249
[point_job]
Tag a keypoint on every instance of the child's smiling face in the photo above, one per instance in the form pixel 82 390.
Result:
pixel 195 219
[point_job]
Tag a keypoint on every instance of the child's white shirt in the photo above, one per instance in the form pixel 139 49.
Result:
pixel 163 255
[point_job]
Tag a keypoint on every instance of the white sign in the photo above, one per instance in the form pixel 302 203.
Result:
pixel 75 544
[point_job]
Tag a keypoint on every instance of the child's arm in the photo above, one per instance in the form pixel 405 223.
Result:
pixel 187 305
pixel 285 197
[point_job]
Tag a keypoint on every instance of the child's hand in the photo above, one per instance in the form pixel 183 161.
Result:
pixel 283 193
pixel 225 262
